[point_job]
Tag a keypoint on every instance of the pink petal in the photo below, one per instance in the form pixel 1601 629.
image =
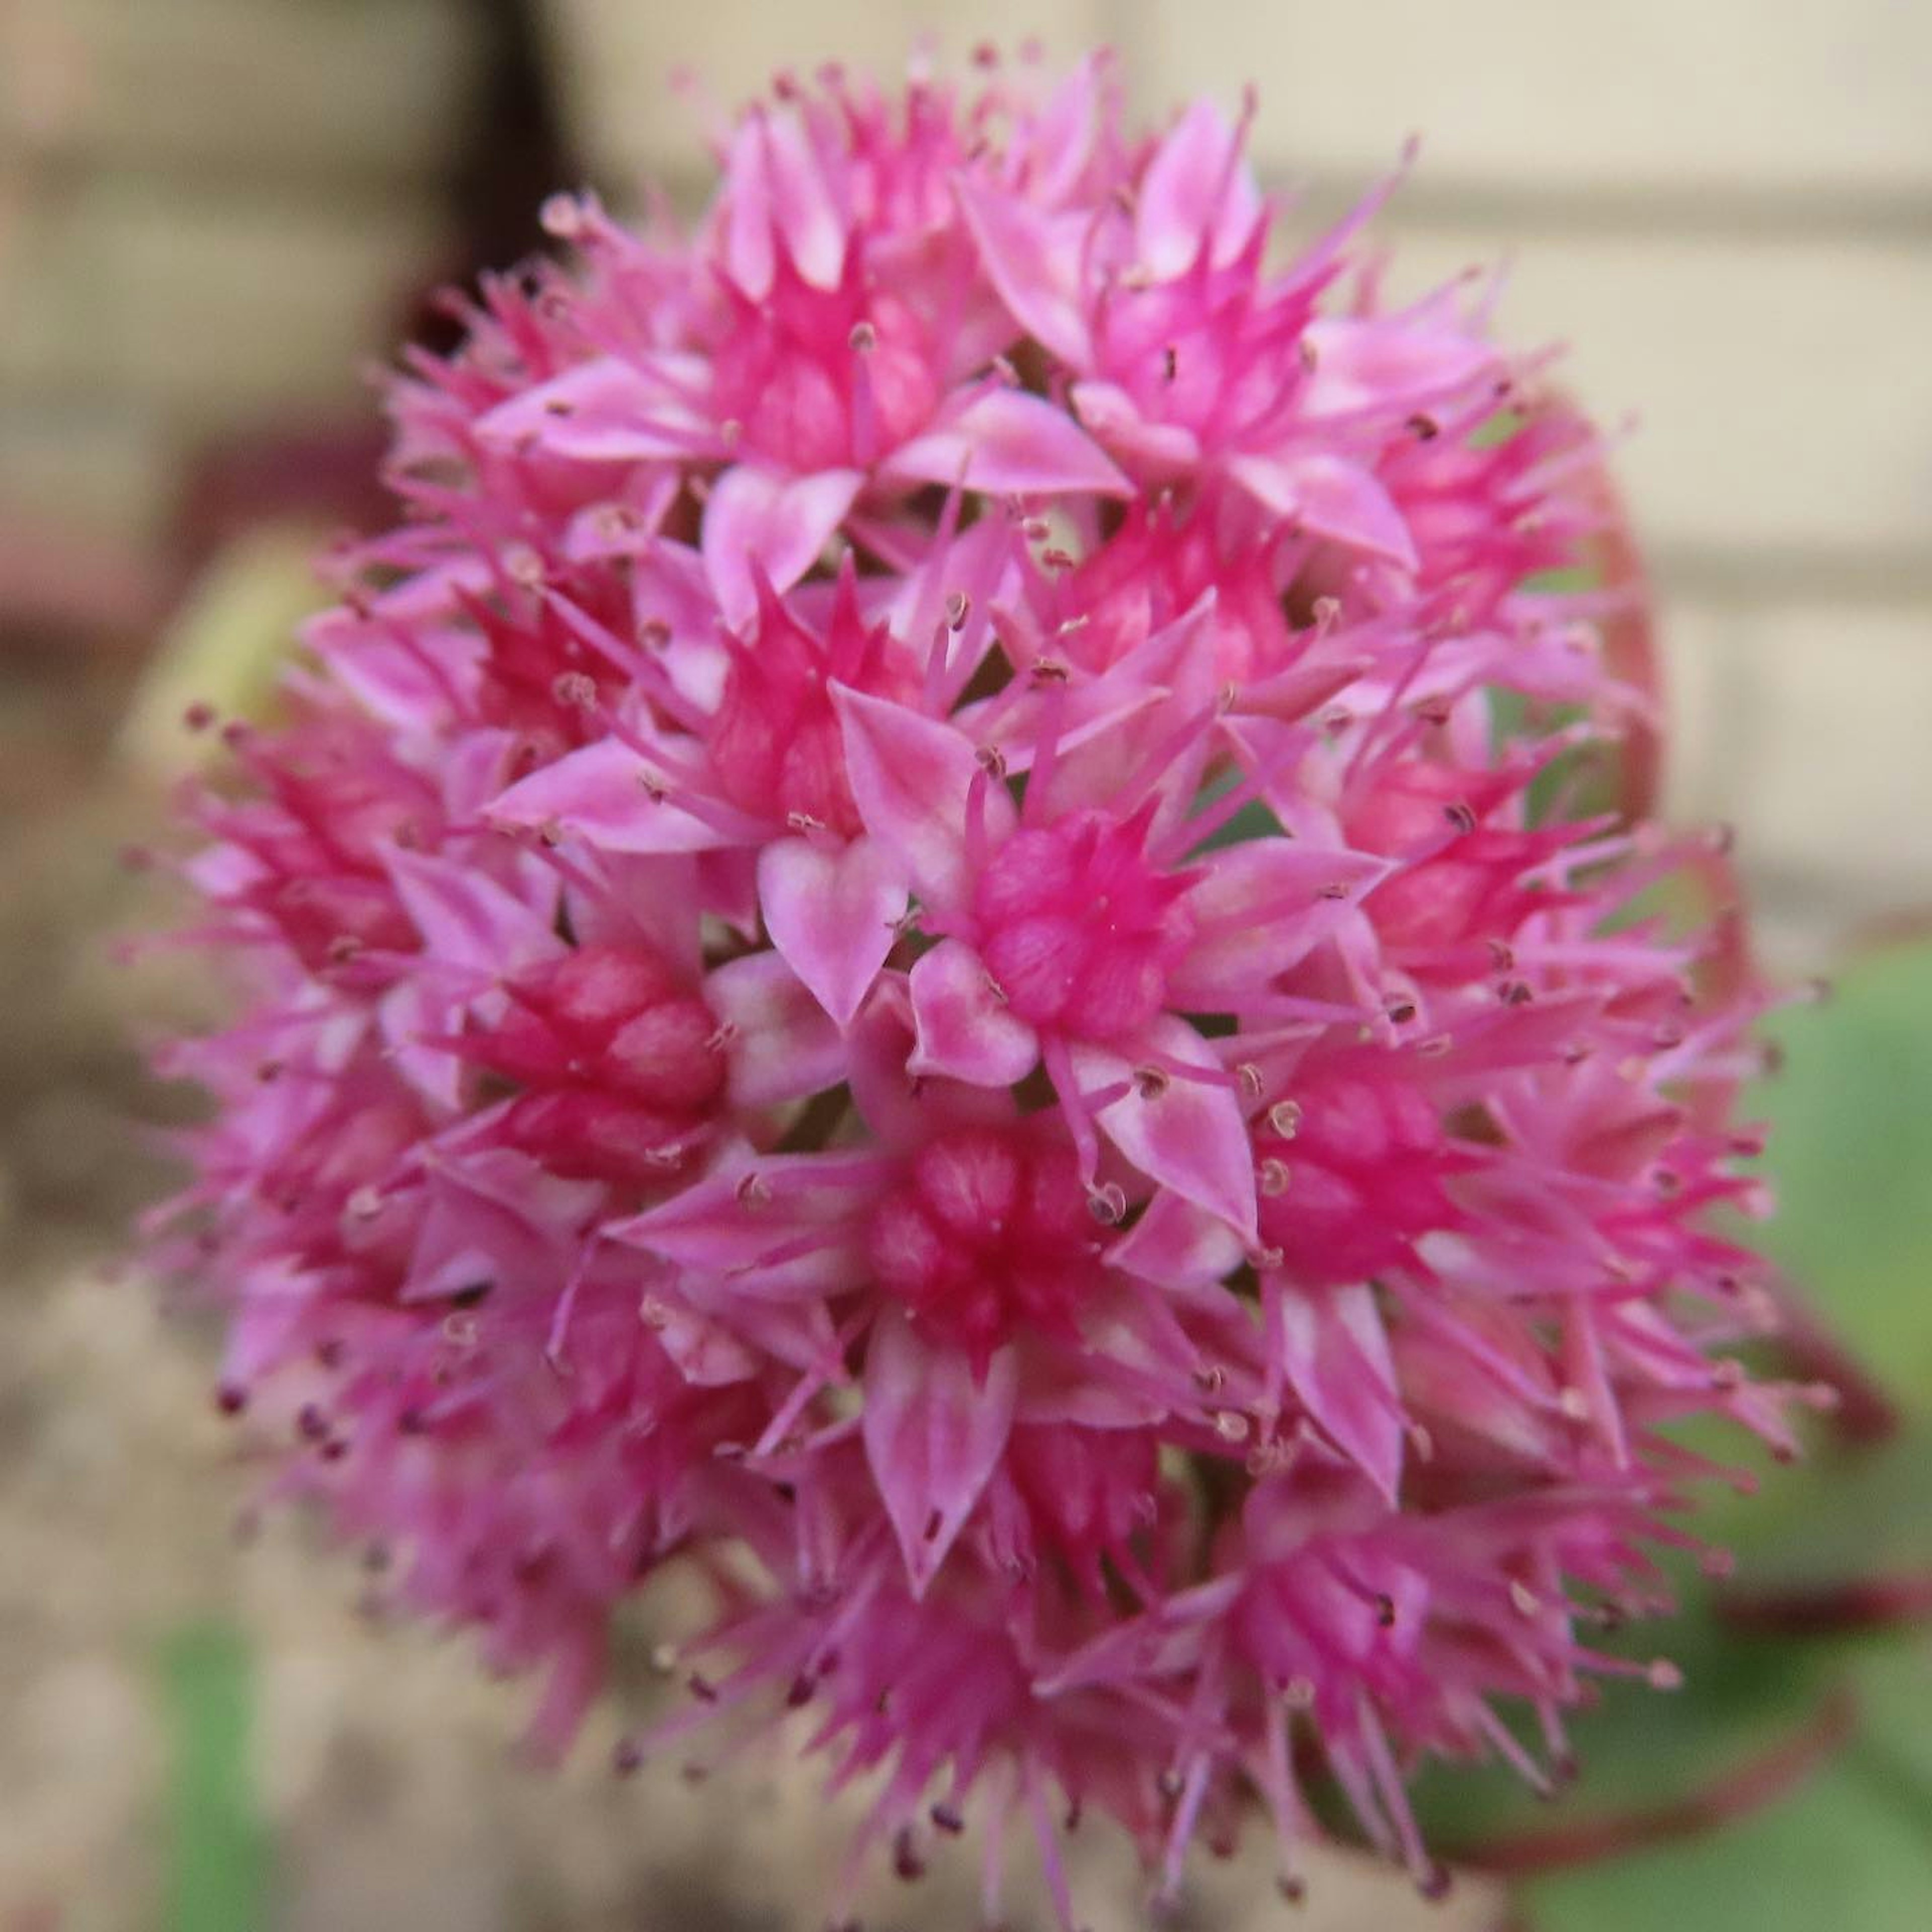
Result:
pixel 899 1107
pixel 808 218
pixel 601 792
pixel 965 1030
pixel 832 913
pixel 1154 448
pixel 778 193
pixel 495 1217
pixel 409 1013
pixel 1163 1642
pixel 605 410
pixel 1259 909
pixel 911 776
pixel 1007 443
pixel 1033 258
pixel 752 1208
pixel 756 521
pixel 1197 191
pixel 467 920
pixel 933 1434
pixel 784 1046
pixel 1176 1242
pixel 1190 1136
pixel 1335 1353
pixel 1293 694
pixel 708 1354
pixel 1329 497
pixel 1395 364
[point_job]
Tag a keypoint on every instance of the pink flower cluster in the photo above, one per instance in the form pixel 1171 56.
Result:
pixel 922 945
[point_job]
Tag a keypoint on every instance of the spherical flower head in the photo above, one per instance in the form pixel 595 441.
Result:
pixel 931 941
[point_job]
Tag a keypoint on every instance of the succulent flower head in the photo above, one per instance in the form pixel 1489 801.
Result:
pixel 940 938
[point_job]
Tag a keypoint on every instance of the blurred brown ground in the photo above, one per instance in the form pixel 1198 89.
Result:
pixel 212 212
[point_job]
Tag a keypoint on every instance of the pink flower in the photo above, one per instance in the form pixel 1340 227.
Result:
pixel 919 944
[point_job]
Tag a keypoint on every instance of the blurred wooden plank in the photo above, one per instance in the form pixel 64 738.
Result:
pixel 1675 97
pixel 97 466
pixel 1834 790
pixel 1781 387
pixel 212 308
pixel 322 87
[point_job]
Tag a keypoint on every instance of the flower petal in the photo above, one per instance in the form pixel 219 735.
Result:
pixel 757 522
pixel 934 1432
pixel 1329 497
pixel 965 1029
pixel 1197 193
pixel 832 913
pixel 603 792
pixel 1174 1242
pixel 1007 443
pixel 1033 258
pixel 1390 362
pixel 1334 1352
pixel 1189 1136
pixel 1259 908
pixel 784 1046
pixel 606 410
pixel 911 776
pixel 467 920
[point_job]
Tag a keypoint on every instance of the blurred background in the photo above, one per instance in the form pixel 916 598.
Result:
pixel 217 216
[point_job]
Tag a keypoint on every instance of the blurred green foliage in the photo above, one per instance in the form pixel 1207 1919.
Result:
pixel 217 1849
pixel 1788 1786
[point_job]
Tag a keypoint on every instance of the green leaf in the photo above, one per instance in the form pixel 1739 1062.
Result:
pixel 1848 1849
pixel 216 1850
pixel 1850 1157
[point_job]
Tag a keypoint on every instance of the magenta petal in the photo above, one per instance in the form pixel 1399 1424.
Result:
pixel 1112 415
pixel 409 1013
pixel 783 1046
pixel 1330 496
pixel 1008 443
pixel 1259 908
pixel 467 920
pixel 1197 192
pixel 911 776
pixel 1188 1135
pixel 603 792
pixel 751 1207
pixel 1033 258
pixel 1176 1242
pixel 934 1432
pixel 707 1353
pixel 1390 363
pixel 965 1030
pixel 604 410
pixel 833 913
pixel 756 521
pixel 1335 1353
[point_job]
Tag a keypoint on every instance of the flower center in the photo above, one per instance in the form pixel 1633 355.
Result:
pixel 619 1060
pixel 1077 928
pixel 988 1232
pixel 1351 1177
